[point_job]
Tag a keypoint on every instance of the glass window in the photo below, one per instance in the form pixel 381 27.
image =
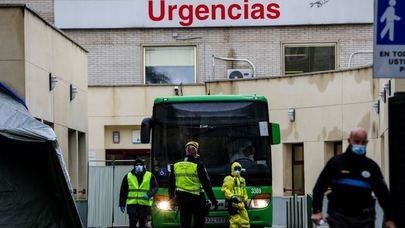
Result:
pixel 309 58
pixel 170 65
pixel 222 139
pixel 298 183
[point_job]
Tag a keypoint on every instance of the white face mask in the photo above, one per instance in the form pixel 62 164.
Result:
pixel 138 169
pixel 237 173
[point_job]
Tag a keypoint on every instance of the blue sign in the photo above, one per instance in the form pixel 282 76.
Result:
pixel 390 22
pixel 162 172
pixel 389 39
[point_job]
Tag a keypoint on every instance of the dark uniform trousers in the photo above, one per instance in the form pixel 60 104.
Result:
pixel 337 219
pixel 138 213
pixel 191 206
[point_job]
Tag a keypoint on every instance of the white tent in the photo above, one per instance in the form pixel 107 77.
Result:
pixel 35 189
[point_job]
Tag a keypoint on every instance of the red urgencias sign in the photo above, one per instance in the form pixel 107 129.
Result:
pixel 188 13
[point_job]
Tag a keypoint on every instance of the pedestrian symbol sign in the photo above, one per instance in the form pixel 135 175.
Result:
pixel 389 39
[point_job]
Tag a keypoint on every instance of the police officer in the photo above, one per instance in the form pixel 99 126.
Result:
pixel 352 178
pixel 137 190
pixel 234 189
pixel 186 179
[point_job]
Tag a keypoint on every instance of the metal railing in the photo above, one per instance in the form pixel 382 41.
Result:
pixel 298 211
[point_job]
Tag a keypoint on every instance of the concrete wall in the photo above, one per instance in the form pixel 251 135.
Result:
pixel 116 55
pixel 45 8
pixel 327 107
pixel 12 54
pixel 30 50
pixel 123 109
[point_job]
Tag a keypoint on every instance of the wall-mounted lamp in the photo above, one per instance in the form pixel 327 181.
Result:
pixel 376 106
pixel 383 95
pixel 52 82
pixel 116 137
pixel 73 92
pixel 291 114
pixel 176 90
pixel 387 87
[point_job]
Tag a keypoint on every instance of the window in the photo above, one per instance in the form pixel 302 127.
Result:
pixel 298 184
pixel 309 58
pixel 332 149
pixel 170 65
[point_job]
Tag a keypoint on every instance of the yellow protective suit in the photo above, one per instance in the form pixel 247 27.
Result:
pixel 235 186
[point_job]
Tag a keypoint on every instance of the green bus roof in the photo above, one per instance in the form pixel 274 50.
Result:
pixel 208 98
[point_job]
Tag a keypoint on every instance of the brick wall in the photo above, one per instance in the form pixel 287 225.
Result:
pixel 115 56
pixel 45 8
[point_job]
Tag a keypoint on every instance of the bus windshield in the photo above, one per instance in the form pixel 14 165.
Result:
pixel 226 132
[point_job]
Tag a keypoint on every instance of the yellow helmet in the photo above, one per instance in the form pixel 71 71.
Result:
pixel 192 143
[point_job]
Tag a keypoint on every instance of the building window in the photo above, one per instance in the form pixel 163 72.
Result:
pixel 298 184
pixel 332 149
pixel 170 65
pixel 309 58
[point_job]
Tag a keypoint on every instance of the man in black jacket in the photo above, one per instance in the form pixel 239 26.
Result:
pixel 137 189
pixel 186 179
pixel 352 178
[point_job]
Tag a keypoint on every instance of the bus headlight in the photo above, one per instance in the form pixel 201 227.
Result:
pixel 163 205
pixel 260 201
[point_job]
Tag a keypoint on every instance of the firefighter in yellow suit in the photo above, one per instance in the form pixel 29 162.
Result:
pixel 234 189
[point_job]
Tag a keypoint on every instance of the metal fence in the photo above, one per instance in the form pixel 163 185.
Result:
pixel 103 200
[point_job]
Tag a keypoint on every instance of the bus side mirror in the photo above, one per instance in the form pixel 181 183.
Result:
pixel 275 133
pixel 146 126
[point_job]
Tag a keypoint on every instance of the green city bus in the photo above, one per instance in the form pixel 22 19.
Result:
pixel 224 126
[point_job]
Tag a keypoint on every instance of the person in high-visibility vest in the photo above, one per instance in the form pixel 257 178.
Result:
pixel 137 190
pixel 234 189
pixel 185 182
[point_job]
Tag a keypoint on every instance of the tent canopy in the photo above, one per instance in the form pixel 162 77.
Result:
pixel 35 189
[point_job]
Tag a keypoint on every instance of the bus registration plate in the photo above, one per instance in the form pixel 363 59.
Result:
pixel 215 220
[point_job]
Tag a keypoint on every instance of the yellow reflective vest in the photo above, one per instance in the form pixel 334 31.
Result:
pixel 136 191
pixel 187 177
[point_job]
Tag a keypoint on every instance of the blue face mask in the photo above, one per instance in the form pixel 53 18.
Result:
pixel 359 149
pixel 138 169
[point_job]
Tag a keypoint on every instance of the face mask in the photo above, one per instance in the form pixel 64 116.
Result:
pixel 138 169
pixel 359 149
pixel 237 172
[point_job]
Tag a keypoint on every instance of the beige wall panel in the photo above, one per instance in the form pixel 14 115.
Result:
pixel 96 134
pixel 79 68
pixel 11 34
pixel 311 124
pixel 125 138
pixel 303 91
pixel 398 85
pixel 131 101
pixel 357 115
pixel 287 168
pixel 373 150
pixel 314 157
pixel 77 111
pixel 358 86
pixel 100 101
pixel 277 156
pixel 39 98
pixel 219 88
pixel 38 42
pixel 62 57
pixel 61 103
pixel 63 140
pixel 12 74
